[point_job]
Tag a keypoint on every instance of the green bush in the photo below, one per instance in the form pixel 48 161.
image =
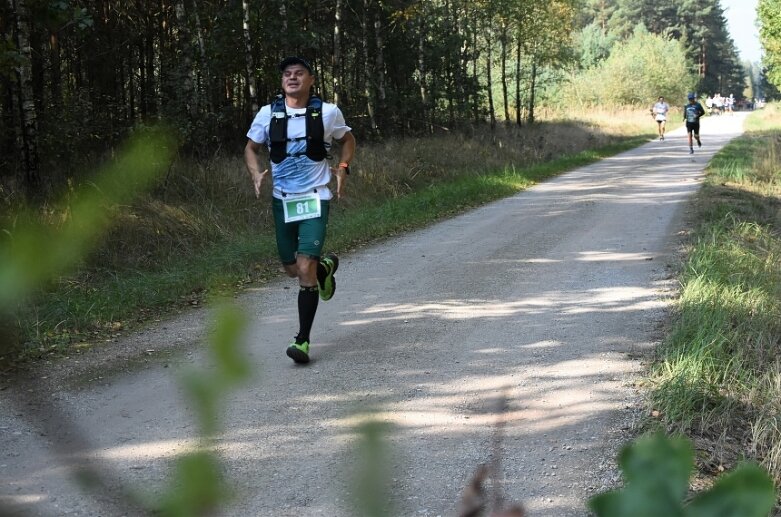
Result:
pixel 656 471
pixel 637 72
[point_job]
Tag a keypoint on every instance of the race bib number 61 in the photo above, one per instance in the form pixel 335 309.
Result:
pixel 301 206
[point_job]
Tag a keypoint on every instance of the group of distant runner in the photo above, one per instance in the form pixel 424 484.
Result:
pixel 718 105
pixel 692 112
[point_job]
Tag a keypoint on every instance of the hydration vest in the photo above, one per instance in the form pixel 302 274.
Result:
pixel 315 132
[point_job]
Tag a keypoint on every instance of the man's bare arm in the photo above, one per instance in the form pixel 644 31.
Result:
pixel 346 152
pixel 252 161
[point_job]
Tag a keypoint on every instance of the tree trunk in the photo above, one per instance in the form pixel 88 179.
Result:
pixel 24 86
pixel 283 18
pixel 505 96
pixel 532 86
pixel 205 84
pixel 249 62
pixel 131 85
pixel 55 72
pixel 518 108
pixel 160 62
pixel 489 78
pixel 476 85
pixel 367 76
pixel 451 63
pixel 422 73
pixel 149 64
pixel 185 62
pixel 702 67
pixel 380 63
pixel 336 57
pixel 38 65
pixel 460 69
pixel 8 146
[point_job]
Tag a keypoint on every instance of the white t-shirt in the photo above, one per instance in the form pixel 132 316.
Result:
pixel 299 174
pixel 661 109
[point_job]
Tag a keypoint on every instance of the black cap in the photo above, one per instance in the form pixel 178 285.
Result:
pixel 294 60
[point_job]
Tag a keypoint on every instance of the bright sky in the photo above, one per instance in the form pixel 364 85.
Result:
pixel 741 20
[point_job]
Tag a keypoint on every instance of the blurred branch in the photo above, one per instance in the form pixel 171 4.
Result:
pixel 474 499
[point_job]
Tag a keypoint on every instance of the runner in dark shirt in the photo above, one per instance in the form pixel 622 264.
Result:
pixel 691 115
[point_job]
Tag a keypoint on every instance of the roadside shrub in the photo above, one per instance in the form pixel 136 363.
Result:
pixel 636 72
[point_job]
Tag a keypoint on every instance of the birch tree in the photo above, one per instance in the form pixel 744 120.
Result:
pixel 336 57
pixel 249 61
pixel 28 132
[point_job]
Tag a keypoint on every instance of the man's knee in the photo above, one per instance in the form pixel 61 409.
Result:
pixel 307 267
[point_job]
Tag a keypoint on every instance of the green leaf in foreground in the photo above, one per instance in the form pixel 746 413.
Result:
pixel 746 492
pixel 230 323
pixel 371 496
pixel 198 487
pixel 657 470
pixel 207 388
pixel 38 252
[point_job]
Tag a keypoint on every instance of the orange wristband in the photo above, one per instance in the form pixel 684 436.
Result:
pixel 345 166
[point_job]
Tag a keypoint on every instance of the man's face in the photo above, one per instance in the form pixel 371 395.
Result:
pixel 661 99
pixel 296 80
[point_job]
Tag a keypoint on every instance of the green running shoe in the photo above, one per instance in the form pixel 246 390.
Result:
pixel 326 283
pixel 299 352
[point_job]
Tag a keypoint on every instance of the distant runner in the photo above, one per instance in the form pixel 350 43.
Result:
pixel 659 111
pixel 691 115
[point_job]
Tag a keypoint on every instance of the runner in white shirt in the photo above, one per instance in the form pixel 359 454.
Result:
pixel 298 131
pixel 659 112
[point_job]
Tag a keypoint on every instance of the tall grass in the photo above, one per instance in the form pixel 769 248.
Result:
pixel 201 230
pixel 719 374
pixel 620 119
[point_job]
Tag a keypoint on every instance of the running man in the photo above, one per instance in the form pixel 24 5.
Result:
pixel 298 131
pixel 691 115
pixel 659 111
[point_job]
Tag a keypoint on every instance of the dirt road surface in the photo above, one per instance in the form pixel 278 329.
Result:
pixel 554 297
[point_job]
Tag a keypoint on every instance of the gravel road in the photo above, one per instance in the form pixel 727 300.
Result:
pixel 553 298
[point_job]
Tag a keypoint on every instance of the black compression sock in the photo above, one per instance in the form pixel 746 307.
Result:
pixel 321 272
pixel 308 298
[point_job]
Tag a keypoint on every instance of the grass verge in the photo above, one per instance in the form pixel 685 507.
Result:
pixel 718 375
